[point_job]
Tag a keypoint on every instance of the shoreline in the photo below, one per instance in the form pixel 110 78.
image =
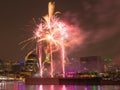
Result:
pixel 69 81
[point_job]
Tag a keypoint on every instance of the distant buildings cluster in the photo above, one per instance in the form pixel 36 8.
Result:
pixel 87 64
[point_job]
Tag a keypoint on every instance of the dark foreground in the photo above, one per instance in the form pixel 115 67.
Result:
pixel 69 81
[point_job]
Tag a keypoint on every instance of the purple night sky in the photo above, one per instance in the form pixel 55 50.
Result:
pixel 99 20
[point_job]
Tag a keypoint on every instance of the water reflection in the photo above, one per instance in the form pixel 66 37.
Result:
pixel 76 87
pixel 18 86
pixel 2 85
pixel 21 86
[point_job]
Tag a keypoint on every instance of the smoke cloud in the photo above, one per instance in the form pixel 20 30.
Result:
pixel 98 24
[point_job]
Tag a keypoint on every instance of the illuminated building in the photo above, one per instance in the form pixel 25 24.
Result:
pixel 92 64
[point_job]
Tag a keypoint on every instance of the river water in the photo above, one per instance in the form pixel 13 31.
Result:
pixel 15 85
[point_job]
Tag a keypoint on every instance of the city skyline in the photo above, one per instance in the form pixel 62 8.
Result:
pixel 97 20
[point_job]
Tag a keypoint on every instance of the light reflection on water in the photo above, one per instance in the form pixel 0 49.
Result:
pixel 21 86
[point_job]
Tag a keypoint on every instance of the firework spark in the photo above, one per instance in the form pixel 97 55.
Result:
pixel 53 35
pixel 53 32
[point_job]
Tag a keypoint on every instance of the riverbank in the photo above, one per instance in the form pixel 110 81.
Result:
pixel 69 81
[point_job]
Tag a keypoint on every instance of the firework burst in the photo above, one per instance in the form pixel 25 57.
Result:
pixel 53 35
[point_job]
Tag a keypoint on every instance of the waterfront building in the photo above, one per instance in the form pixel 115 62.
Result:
pixel 91 64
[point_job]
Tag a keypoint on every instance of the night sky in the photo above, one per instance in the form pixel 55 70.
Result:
pixel 99 20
